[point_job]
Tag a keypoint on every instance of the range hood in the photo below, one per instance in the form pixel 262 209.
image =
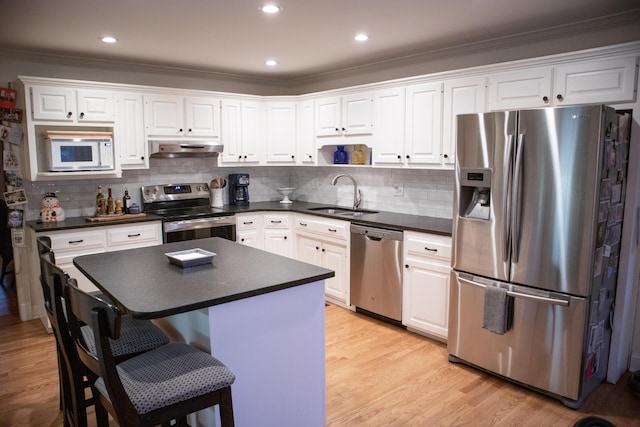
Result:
pixel 170 149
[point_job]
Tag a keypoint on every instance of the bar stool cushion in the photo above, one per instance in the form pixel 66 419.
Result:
pixel 169 374
pixel 136 336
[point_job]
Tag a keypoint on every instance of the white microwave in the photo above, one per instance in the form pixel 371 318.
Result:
pixel 69 153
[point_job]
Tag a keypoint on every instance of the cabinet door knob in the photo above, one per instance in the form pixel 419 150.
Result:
pixel 399 156
pixel 545 99
pixel 82 115
pixel 317 248
pixel 446 156
pixel 293 157
pixel 560 97
pixel 69 114
pixel 245 156
pixel 310 156
pixel 285 237
pixel 239 157
pixel 180 130
pixel 189 131
pixel 406 266
pixel 408 157
pixel 242 240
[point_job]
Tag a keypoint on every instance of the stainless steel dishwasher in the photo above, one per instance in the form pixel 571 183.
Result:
pixel 376 271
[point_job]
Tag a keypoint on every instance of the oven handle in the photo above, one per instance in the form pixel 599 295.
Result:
pixel 194 224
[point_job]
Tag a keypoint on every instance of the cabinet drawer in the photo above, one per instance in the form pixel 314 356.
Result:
pixel 428 245
pixel 276 221
pixel 78 242
pixel 134 236
pixel 248 222
pixel 330 228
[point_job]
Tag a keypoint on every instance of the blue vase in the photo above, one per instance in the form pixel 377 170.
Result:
pixel 340 157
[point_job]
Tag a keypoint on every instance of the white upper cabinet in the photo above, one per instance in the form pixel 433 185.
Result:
pixel 77 106
pixel 389 138
pixel 584 82
pixel 520 89
pixel 461 96
pixel 176 116
pixel 129 131
pixel 280 123
pixel 423 127
pixel 241 133
pixel 306 144
pixel 344 116
pixel 408 126
pixel 604 81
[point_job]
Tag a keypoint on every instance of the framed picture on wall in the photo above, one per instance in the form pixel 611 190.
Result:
pixel 17 238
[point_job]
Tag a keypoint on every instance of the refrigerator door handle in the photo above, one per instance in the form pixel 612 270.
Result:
pixel 531 297
pixel 508 168
pixel 516 209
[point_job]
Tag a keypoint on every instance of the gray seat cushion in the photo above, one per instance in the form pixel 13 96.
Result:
pixel 169 374
pixel 136 336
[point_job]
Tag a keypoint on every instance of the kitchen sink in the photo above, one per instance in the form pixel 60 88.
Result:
pixel 342 211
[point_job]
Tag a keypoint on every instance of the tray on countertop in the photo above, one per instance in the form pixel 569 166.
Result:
pixel 190 257
pixel 114 217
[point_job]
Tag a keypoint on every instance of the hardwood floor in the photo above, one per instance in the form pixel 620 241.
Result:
pixel 377 375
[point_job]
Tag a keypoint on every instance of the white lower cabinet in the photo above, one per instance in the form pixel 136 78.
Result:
pixel 278 235
pixel 267 231
pixel 425 300
pixel 68 244
pixel 249 230
pixel 326 243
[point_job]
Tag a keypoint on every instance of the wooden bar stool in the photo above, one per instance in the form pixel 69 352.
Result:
pixel 142 335
pixel 155 387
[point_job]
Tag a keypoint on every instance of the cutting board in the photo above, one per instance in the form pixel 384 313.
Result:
pixel 105 218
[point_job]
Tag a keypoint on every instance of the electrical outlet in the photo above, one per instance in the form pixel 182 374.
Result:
pixel 398 190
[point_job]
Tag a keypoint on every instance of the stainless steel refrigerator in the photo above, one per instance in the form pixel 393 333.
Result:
pixel 536 235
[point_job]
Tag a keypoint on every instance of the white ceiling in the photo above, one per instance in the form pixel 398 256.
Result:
pixel 307 37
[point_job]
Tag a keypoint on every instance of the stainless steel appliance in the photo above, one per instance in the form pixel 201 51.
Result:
pixel 186 212
pixel 171 149
pixel 376 271
pixel 239 189
pixel 536 224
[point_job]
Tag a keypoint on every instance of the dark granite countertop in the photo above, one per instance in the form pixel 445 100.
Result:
pixel 144 282
pixel 418 223
pixel 400 221
pixel 81 222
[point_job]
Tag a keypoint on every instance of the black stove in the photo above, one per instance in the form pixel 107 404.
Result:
pixel 186 212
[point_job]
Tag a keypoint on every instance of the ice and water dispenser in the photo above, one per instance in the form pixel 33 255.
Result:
pixel 475 193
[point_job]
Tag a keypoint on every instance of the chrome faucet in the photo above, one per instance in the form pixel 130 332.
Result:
pixel 357 195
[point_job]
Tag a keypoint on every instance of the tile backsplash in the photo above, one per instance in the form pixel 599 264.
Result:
pixel 419 192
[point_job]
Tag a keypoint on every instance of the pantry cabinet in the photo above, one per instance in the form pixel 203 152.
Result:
pixel 426 280
pixel 241 133
pixel 326 243
pixel 183 117
pixel 72 106
pixel 582 82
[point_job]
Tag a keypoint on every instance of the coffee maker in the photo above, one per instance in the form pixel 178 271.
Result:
pixel 239 189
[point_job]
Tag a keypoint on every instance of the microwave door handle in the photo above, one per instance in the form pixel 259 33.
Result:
pixel 516 208
pixel 530 297
pixel 506 202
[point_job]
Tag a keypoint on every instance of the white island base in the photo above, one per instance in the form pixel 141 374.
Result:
pixel 275 345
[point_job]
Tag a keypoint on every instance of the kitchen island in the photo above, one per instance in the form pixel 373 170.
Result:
pixel 264 312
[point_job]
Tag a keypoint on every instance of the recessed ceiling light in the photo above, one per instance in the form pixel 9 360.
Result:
pixel 109 39
pixel 270 8
pixel 361 37
pixel 271 62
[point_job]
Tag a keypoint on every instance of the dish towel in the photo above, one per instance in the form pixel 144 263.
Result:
pixel 498 309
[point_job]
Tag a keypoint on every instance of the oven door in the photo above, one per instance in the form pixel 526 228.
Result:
pixel 200 228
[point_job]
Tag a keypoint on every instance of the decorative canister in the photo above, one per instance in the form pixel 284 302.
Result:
pixel 51 210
